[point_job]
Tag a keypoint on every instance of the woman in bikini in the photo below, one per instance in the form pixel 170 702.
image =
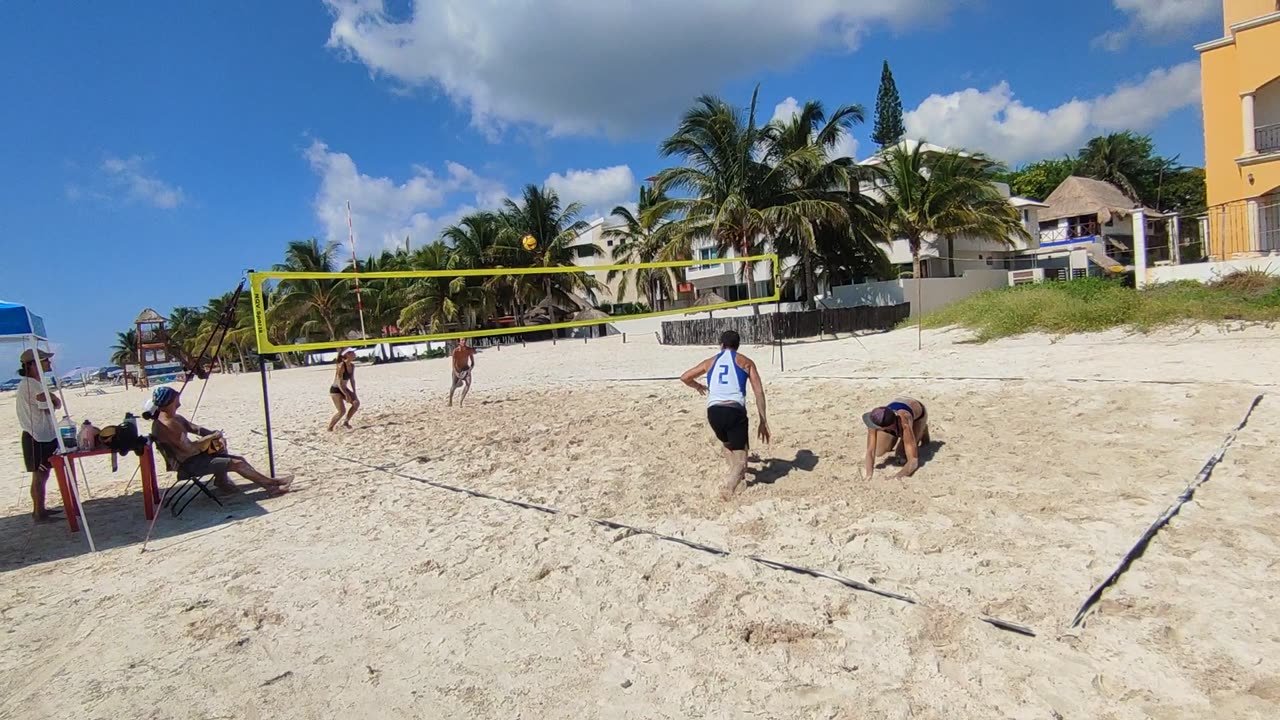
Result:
pixel 343 390
pixel 901 426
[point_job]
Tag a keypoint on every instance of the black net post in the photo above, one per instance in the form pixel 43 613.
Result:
pixel 266 412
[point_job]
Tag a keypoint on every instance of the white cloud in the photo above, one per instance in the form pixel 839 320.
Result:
pixel 785 110
pixel 383 210
pixel 790 107
pixel 585 66
pixel 1157 19
pixel 1168 15
pixel 127 175
pixel 599 191
pixel 996 122
pixel 1141 105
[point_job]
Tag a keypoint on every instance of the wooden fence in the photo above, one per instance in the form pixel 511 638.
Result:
pixel 767 328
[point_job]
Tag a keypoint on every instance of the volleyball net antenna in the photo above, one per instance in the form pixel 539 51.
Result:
pixel 714 275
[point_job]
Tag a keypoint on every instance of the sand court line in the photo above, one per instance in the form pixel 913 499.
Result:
pixel 634 530
pixel 1183 498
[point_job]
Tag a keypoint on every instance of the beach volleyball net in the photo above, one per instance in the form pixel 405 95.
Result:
pixel 316 311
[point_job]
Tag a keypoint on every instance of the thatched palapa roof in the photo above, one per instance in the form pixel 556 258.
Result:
pixel 1077 196
pixel 593 314
pixel 711 298
pixel 149 316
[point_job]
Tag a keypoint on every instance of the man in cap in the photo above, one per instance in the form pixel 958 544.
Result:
pixel 171 431
pixel 35 406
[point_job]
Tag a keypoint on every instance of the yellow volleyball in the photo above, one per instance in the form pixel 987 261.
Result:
pixel 530 243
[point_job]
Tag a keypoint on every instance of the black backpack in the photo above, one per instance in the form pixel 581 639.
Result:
pixel 123 439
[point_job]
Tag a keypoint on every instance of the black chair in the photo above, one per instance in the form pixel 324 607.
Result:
pixel 188 486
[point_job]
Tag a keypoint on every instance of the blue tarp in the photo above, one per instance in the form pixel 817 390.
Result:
pixel 18 322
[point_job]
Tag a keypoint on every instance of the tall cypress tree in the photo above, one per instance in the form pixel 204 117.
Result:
pixel 889 129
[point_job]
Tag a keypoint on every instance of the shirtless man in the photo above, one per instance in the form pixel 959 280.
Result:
pixel 727 375
pixel 171 429
pixel 461 361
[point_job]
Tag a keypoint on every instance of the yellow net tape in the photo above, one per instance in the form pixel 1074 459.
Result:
pixel 265 346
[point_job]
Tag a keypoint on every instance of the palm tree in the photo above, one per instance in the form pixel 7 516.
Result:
pixel 313 307
pixel 475 239
pixel 434 303
pixel 183 325
pixel 810 137
pixel 738 198
pixel 125 351
pixel 928 196
pixel 645 236
pixel 1126 160
pixel 555 228
pixel 384 299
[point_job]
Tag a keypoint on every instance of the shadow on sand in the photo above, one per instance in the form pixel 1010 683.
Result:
pixel 774 469
pixel 118 521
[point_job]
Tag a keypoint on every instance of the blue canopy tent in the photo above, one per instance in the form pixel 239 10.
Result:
pixel 19 326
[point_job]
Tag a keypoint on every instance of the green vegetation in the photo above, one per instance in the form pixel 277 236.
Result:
pixel 1126 160
pixel 1092 305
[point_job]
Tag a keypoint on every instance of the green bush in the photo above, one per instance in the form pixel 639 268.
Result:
pixel 1094 304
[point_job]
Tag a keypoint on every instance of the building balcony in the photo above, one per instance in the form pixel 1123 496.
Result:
pixel 716 271
pixel 1266 138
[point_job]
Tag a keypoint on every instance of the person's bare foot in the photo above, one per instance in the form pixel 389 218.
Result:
pixel 284 484
pixel 347 425
pixel 46 516
pixel 728 490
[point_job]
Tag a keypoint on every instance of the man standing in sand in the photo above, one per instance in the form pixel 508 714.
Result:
pixel 727 375
pixel 35 407
pixel 462 361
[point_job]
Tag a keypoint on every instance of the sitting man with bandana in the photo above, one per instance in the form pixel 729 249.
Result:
pixel 194 457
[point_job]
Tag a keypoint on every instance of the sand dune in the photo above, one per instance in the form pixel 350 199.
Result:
pixel 370 594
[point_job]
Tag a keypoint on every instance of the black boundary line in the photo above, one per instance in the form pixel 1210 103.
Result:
pixel 1183 498
pixel 614 525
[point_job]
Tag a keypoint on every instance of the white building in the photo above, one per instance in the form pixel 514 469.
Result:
pixel 594 235
pixel 964 253
pixel 1091 221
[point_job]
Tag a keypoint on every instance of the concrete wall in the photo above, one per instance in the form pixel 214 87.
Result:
pixel 1205 272
pixel 935 292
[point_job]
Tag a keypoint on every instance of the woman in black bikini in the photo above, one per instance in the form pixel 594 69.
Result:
pixel 343 389
pixel 901 426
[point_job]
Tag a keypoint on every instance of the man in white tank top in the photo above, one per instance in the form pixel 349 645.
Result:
pixel 726 376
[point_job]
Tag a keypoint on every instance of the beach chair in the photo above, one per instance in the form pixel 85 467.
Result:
pixel 187 487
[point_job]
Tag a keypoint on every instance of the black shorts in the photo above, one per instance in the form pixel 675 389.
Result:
pixel 36 454
pixel 731 425
pixel 205 464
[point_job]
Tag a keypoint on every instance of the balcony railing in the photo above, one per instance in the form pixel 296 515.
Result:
pixel 1266 138
pixel 1074 231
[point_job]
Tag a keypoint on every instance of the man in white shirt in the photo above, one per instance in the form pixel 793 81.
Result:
pixel 35 416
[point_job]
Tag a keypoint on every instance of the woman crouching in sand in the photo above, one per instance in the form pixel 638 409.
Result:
pixel 343 389
pixel 901 426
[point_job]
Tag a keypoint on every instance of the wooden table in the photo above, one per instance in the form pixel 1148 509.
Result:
pixel 60 463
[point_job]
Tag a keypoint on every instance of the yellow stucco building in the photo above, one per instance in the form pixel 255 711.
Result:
pixel 1240 78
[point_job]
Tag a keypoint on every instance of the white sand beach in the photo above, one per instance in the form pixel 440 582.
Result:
pixel 365 594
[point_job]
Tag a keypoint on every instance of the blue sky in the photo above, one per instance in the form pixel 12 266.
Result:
pixel 154 152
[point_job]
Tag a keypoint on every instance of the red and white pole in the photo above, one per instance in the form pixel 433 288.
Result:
pixel 355 267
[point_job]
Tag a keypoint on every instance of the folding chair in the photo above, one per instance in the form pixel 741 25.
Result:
pixel 188 485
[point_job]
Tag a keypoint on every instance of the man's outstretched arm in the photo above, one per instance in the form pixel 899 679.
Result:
pixel 691 376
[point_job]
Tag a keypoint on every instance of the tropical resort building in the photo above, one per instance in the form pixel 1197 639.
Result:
pixel 1240 90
